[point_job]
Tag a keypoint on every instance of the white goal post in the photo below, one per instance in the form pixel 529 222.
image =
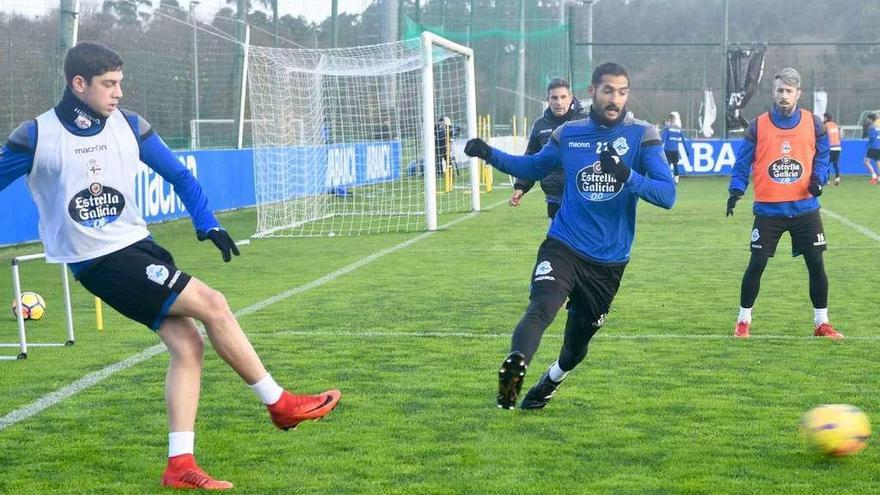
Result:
pixel 360 140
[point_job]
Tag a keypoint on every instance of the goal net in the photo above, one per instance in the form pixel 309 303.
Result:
pixel 362 140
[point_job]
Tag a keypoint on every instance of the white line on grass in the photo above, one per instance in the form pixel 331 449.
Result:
pixel 849 223
pixel 92 379
pixel 599 336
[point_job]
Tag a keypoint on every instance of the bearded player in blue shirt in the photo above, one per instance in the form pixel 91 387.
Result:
pixel 610 160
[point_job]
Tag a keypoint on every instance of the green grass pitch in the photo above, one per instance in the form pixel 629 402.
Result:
pixel 667 402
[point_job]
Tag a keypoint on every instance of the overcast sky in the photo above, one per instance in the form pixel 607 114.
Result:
pixel 318 10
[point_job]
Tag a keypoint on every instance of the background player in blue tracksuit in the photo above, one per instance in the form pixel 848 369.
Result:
pixel 872 155
pixel 610 160
pixel 673 135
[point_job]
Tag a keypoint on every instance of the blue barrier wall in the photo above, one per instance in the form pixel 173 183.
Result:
pixel 227 177
pixel 317 169
pixel 716 157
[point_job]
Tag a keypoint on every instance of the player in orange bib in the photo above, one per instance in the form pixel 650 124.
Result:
pixel 786 153
pixel 834 136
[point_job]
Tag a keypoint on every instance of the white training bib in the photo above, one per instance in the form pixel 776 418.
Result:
pixel 84 189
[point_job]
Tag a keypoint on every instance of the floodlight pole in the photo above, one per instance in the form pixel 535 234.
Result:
pixel 521 64
pixel 725 69
pixel 590 38
pixel 334 24
pixel 192 19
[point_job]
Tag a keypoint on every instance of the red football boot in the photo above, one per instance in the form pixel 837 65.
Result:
pixel 291 409
pixel 182 472
pixel 826 330
pixel 742 330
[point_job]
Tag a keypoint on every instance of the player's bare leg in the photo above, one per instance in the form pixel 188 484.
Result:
pixel 870 166
pixel 182 385
pixel 183 381
pixel 210 307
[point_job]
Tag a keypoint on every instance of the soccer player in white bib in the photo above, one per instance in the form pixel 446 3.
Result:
pixel 81 158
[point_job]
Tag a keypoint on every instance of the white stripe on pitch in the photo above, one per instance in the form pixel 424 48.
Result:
pixel 870 234
pixel 92 379
pixel 599 336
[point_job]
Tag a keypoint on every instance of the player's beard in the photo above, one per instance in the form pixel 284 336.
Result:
pixel 602 119
pixel 786 111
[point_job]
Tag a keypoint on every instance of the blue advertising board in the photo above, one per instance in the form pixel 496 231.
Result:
pixel 227 177
pixel 716 157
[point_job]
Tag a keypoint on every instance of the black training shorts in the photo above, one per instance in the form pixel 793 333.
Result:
pixel 806 233
pixel 873 154
pixel 561 272
pixel 835 156
pixel 140 281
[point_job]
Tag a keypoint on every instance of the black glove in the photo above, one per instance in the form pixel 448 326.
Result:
pixel 735 194
pixel 815 188
pixel 478 148
pixel 611 163
pixel 221 239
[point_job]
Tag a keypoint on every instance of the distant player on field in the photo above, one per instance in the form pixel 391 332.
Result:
pixel 562 107
pixel 81 158
pixel 873 153
pixel 610 161
pixel 786 152
pixel 833 131
pixel 674 138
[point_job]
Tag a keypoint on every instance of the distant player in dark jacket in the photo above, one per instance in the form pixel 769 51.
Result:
pixel 674 139
pixel 561 107
pixel 610 161
pixel 444 131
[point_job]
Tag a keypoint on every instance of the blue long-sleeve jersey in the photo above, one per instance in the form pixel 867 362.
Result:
pixel 739 178
pixel 672 136
pixel 598 214
pixel 873 138
pixel 17 157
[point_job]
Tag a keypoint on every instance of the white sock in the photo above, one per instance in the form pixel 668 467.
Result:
pixel 181 442
pixel 556 373
pixel 745 314
pixel 267 390
pixel 820 316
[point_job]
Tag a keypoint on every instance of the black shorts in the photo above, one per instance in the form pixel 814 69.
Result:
pixel 873 154
pixel 806 233
pixel 835 156
pixel 140 281
pixel 589 286
pixel 672 157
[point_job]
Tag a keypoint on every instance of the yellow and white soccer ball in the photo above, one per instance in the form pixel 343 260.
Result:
pixel 836 429
pixel 33 306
